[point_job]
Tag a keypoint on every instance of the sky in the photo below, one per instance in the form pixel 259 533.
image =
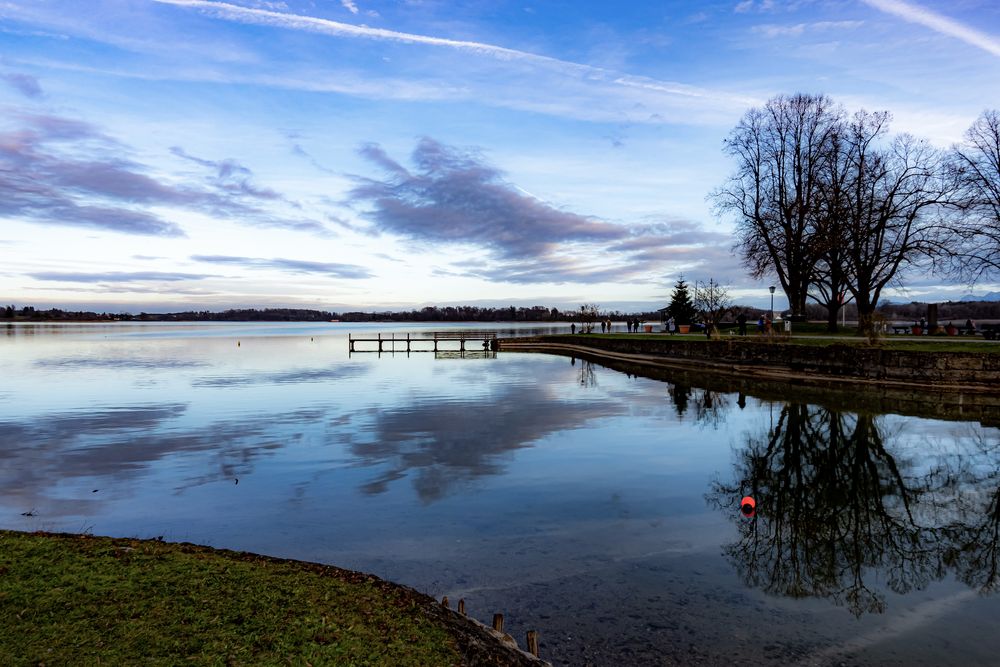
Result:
pixel 161 155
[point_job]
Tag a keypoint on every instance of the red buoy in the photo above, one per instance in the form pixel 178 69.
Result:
pixel 748 506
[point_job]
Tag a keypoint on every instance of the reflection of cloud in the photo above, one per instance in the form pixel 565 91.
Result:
pixel 124 363
pixel 339 372
pixel 42 452
pixel 67 427
pixel 446 443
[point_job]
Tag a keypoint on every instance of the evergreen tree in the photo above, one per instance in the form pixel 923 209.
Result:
pixel 681 307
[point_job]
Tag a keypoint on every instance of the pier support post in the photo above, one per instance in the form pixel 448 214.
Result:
pixel 533 642
pixel 498 622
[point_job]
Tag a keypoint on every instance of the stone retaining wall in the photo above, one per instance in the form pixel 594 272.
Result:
pixel 831 361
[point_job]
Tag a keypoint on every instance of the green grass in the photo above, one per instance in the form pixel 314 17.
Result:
pixel 67 600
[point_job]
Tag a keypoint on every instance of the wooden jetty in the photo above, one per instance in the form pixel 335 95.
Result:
pixel 485 340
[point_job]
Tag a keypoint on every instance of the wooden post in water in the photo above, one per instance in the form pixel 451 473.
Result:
pixel 533 642
pixel 498 622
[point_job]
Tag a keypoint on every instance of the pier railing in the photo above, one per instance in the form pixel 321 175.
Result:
pixel 429 342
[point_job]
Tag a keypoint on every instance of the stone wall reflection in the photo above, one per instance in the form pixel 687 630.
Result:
pixel 843 504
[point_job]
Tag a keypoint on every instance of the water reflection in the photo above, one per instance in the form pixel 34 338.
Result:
pixel 568 495
pixel 115 363
pixel 448 442
pixel 847 512
pixel 587 377
pixel 294 376
pixel 44 455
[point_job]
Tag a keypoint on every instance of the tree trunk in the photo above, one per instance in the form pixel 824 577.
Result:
pixel 832 311
pixel 797 304
pixel 866 321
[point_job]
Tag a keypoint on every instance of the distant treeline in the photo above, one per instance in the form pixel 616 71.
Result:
pixel 950 310
pixel 428 314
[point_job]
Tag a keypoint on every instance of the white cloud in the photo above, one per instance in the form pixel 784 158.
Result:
pixel 773 30
pixel 938 23
pixel 750 5
pixel 589 73
pixel 349 6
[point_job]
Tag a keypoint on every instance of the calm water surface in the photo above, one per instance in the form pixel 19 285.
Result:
pixel 598 507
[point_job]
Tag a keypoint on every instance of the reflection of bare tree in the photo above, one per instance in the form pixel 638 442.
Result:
pixel 972 529
pixel 680 394
pixel 833 505
pixel 588 378
pixel 975 547
pixel 710 407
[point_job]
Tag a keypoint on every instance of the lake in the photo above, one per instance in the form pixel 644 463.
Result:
pixel 590 503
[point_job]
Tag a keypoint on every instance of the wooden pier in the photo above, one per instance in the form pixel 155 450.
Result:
pixel 486 342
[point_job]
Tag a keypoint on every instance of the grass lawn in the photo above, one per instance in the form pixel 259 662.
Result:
pixel 67 600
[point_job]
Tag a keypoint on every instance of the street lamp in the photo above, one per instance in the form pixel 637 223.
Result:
pixel 771 289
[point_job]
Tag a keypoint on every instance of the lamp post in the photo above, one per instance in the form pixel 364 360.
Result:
pixel 771 289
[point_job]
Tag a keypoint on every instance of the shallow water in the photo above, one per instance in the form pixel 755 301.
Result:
pixel 595 506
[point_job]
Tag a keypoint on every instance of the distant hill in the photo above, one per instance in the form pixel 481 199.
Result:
pixel 990 296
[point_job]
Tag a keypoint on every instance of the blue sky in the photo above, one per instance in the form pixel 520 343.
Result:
pixel 168 154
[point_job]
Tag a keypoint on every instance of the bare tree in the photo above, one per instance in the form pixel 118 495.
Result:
pixel 975 168
pixel 782 151
pixel 588 315
pixel 713 303
pixel 892 189
pixel 829 281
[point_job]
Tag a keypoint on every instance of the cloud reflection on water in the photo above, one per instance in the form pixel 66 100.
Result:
pixel 296 376
pixel 48 456
pixel 123 363
pixel 447 442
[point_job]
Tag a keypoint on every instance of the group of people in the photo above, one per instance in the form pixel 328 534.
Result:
pixel 632 324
